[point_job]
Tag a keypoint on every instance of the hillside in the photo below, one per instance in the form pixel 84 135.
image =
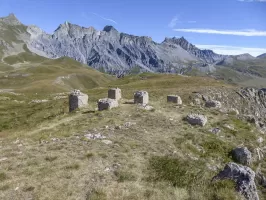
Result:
pixel 28 72
pixel 46 153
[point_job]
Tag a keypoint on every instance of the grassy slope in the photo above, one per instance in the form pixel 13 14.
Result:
pixel 160 157
pixel 34 73
pixel 250 73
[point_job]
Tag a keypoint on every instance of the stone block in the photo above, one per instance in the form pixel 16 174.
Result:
pixel 114 93
pixel 107 104
pixel 174 99
pixel 77 100
pixel 141 97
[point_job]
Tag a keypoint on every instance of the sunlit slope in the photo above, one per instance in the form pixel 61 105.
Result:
pixel 28 72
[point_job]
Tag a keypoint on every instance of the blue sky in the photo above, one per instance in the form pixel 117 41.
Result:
pixel 226 26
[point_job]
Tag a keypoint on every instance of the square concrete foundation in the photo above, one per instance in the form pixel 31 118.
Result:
pixel 114 93
pixel 107 104
pixel 141 97
pixel 77 100
pixel 174 99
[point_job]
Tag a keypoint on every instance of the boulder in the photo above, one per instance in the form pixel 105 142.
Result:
pixel 107 104
pixel 197 119
pixel 77 100
pixel 243 176
pixel 174 99
pixel 242 155
pixel 114 93
pixel 141 97
pixel 213 104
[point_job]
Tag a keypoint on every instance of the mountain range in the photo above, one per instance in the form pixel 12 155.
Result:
pixel 117 53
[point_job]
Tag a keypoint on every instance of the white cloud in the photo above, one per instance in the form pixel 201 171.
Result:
pixel 173 22
pixel 233 50
pixel 225 32
pixel 104 18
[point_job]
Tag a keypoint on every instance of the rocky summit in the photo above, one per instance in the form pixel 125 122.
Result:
pixel 113 51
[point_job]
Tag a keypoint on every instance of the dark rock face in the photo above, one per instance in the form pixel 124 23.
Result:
pixel 242 155
pixel 243 177
pixel 119 52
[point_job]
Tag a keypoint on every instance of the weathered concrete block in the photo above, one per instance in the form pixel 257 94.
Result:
pixel 141 97
pixel 107 104
pixel 77 100
pixel 114 93
pixel 174 99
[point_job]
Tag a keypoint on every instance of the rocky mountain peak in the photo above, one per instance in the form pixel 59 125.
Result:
pixel 109 29
pixel 11 19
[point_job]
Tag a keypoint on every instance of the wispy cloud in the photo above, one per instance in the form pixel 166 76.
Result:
pixel 173 22
pixel 233 50
pixel 104 18
pixel 225 32
pixel 176 20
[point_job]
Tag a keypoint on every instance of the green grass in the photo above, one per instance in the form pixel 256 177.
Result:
pixel 191 175
pixel 3 176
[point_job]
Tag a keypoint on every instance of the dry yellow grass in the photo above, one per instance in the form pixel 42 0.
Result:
pixel 51 158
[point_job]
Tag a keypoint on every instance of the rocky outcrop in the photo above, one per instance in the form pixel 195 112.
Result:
pixel 242 155
pixel 116 52
pixel 243 176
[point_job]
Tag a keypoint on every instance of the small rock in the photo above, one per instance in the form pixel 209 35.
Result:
pixel 213 104
pixel 197 119
pixel 94 136
pixel 129 124
pixel 260 140
pixel 242 155
pixel 39 101
pixel 107 142
pixel 230 127
pixel 215 130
